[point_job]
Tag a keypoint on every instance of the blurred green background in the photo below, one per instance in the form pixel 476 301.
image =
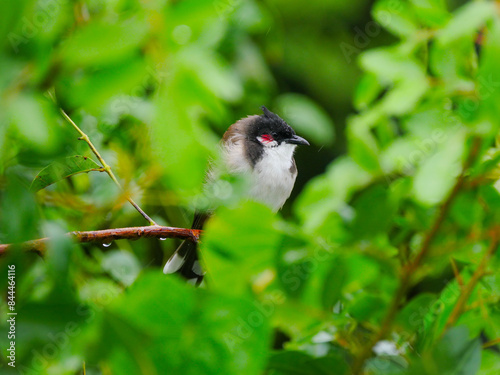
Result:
pixel 394 96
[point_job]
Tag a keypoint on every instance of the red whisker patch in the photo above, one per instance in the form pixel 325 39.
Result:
pixel 267 138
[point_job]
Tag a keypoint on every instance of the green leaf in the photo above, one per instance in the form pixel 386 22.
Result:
pixel 33 117
pixel 465 211
pixel 490 363
pixel 330 192
pixel 434 321
pixel 344 279
pixel 233 253
pixel 404 96
pixel 367 91
pixel 374 212
pixel 386 365
pixel 163 325
pixel 362 308
pixel 20 219
pixel 412 316
pixel 454 62
pixel 454 354
pixel 179 137
pixel 307 118
pixel 435 178
pixel 58 253
pixel 390 65
pixel 431 13
pixel 466 21
pixel 103 42
pixel 94 87
pixel 404 73
pixel 63 169
pixel 491 197
pixel 212 72
pixel 363 146
pixel 396 17
pixel 122 265
pixel 11 17
pixel 333 283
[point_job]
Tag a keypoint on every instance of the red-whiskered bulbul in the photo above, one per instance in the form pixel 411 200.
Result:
pixel 260 147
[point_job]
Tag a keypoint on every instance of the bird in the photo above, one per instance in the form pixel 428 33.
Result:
pixel 260 147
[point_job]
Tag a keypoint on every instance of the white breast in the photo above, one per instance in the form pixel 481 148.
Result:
pixel 272 177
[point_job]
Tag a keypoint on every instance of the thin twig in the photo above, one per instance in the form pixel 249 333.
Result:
pixel 410 269
pixel 106 167
pixel 458 277
pixel 469 288
pixel 108 235
pixel 491 343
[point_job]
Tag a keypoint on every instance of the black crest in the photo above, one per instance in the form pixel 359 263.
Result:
pixel 270 123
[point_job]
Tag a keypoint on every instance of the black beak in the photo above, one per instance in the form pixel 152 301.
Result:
pixel 296 140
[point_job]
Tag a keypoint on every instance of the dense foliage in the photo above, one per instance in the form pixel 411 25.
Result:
pixel 385 261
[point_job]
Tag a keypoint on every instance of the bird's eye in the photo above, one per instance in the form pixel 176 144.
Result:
pixel 266 138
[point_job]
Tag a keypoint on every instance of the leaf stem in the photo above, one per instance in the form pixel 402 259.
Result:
pixel 469 288
pixel 106 167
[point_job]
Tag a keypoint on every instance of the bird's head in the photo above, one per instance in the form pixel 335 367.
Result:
pixel 270 130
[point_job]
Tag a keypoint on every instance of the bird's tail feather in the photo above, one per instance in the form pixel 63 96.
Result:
pixel 185 262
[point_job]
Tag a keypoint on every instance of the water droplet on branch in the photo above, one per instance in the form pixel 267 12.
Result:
pixel 107 244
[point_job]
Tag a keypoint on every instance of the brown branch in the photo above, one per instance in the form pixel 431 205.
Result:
pixel 109 235
pixel 469 288
pixel 410 269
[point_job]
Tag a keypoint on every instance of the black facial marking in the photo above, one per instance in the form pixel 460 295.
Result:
pixel 254 152
pixel 268 123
